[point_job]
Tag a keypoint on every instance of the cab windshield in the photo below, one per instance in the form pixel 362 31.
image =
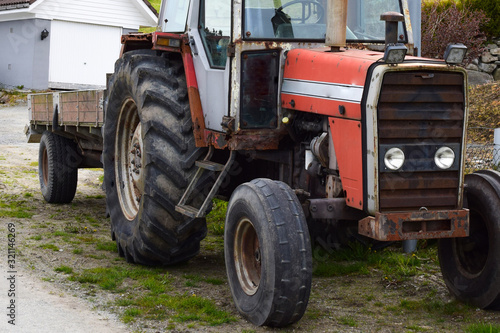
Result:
pixel 306 20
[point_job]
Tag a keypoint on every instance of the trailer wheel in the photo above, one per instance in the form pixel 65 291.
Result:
pixel 58 161
pixel 268 253
pixel 471 265
pixel 148 155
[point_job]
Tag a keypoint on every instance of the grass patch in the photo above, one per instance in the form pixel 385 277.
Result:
pixel 11 206
pixel 49 247
pixel 130 315
pixel 180 308
pixel 98 196
pixel 34 164
pixel 433 306
pixel 483 328
pixel 360 259
pixel 64 269
pixel 77 251
pixel 109 278
pixel 192 279
pixel 348 321
pixel 216 218
pixel 37 237
pixel 155 303
pixel 107 246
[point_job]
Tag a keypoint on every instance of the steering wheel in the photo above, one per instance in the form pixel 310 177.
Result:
pixel 307 10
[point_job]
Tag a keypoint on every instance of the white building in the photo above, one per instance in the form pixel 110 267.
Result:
pixel 65 44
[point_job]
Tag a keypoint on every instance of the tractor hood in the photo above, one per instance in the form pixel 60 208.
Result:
pixel 325 82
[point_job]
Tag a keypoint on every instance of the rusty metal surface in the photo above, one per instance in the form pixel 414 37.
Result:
pixel 416 225
pixel 421 107
pixel 333 208
pixel 195 107
pixel 136 41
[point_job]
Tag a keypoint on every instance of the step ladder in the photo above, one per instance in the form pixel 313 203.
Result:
pixel 209 166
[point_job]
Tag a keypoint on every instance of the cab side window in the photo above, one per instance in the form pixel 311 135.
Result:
pixel 215 30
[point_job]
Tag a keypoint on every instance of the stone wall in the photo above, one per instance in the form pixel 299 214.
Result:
pixel 487 67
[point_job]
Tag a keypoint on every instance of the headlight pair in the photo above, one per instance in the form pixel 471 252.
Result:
pixel 444 158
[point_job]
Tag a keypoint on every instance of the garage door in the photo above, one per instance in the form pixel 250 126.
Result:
pixel 81 54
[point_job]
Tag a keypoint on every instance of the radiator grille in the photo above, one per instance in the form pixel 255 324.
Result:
pixel 420 107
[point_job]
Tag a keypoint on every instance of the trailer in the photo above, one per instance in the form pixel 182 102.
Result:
pixel 68 126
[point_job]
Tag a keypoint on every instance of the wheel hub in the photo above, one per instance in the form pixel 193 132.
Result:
pixel 129 160
pixel 247 255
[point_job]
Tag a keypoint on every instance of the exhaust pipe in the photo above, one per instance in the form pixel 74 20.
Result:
pixel 336 11
pixel 391 26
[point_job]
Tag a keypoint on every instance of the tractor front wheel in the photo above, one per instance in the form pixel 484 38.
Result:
pixel 268 253
pixel 471 265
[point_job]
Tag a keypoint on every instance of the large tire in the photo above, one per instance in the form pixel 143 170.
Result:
pixel 268 253
pixel 471 265
pixel 58 161
pixel 149 158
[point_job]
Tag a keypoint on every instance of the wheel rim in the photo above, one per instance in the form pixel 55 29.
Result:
pixel 472 252
pixel 129 160
pixel 247 257
pixel 45 166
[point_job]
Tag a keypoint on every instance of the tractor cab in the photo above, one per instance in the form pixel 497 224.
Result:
pixel 244 54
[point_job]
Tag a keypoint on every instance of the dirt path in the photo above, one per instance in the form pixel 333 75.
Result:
pixel 39 306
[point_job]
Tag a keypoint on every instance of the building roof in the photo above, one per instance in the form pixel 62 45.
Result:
pixel 17 4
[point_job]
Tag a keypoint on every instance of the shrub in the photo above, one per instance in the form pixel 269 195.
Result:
pixel 445 22
pixel 492 10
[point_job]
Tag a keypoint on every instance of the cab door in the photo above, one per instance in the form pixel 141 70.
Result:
pixel 210 34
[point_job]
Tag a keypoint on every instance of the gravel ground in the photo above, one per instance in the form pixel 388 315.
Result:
pixel 40 306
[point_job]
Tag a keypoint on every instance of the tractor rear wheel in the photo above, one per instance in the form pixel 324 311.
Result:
pixel 268 253
pixel 471 265
pixel 149 158
pixel 58 161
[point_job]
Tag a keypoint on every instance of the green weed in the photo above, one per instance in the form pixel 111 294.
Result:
pixel 216 218
pixel 109 278
pixel 98 196
pixel 49 247
pixel 130 315
pixel 11 207
pixel 193 279
pixel 186 308
pixel 483 328
pixel 107 246
pixel 64 269
pixel 348 320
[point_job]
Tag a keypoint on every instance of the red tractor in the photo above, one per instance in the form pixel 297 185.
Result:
pixel 302 113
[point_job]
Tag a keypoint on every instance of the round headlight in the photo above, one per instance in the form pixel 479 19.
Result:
pixel 394 159
pixel 444 157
